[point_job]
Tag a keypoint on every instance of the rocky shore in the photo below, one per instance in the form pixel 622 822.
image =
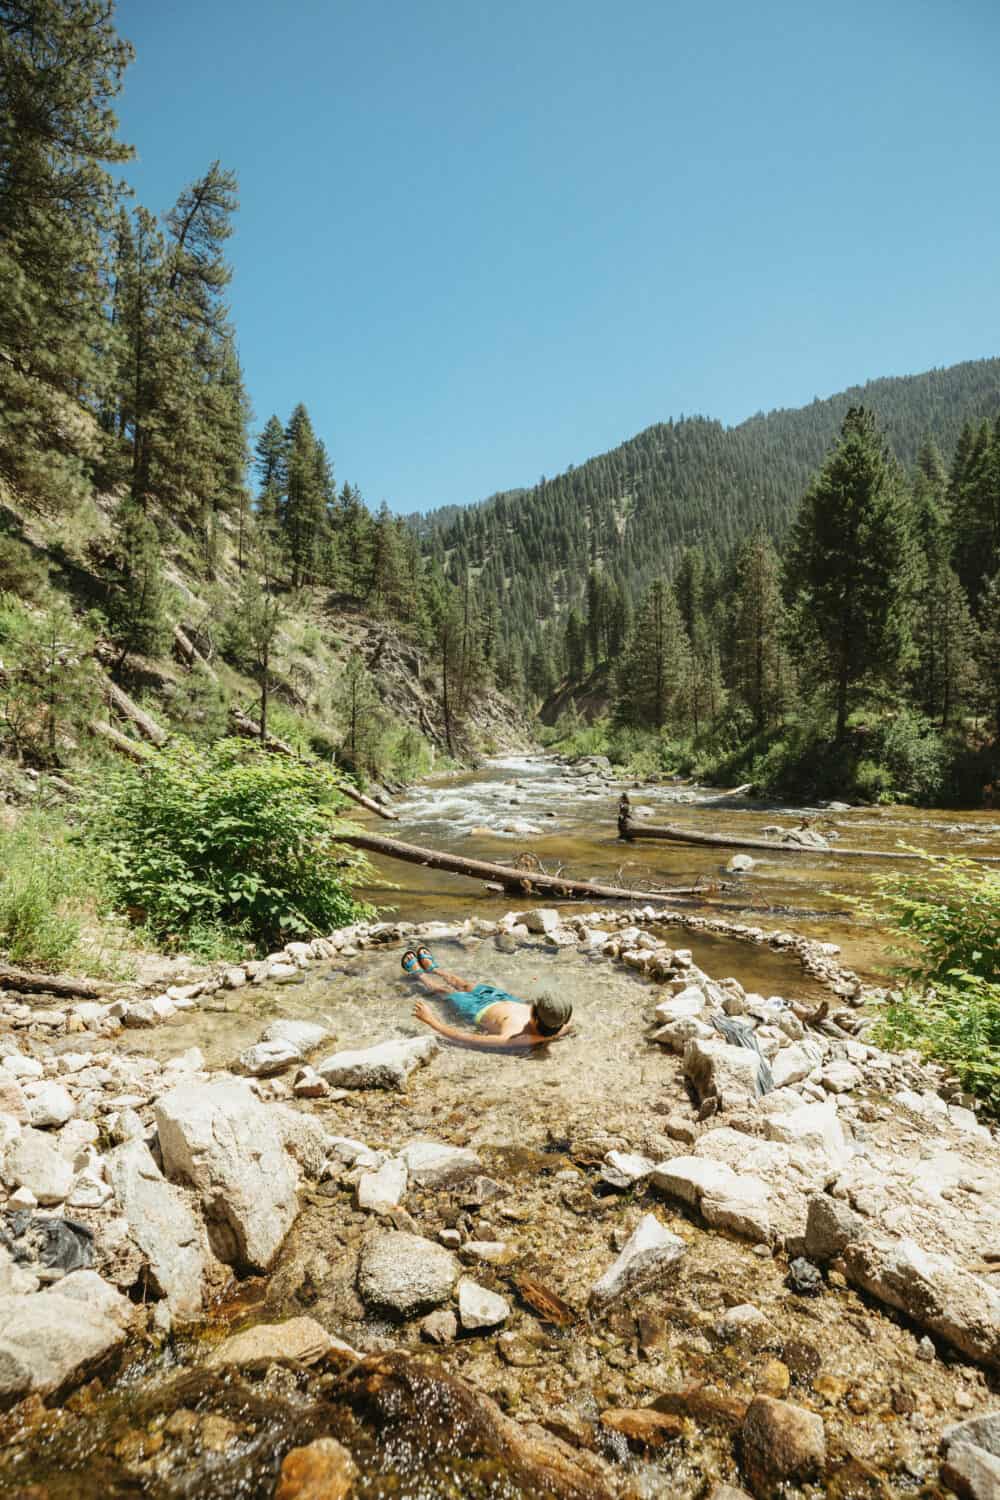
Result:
pixel 771 1266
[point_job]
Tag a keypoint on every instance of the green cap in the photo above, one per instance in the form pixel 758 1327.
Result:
pixel 552 1012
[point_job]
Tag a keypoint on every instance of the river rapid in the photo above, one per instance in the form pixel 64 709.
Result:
pixel 566 816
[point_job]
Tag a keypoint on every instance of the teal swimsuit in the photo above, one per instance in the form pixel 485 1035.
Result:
pixel 469 1005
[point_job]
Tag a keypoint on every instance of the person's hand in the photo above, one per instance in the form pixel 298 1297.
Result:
pixel 423 1012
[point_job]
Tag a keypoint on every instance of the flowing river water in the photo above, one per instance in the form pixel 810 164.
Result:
pixel 169 1428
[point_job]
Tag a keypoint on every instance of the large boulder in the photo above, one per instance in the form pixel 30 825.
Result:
pixel 305 1035
pixel 265 1059
pixel 738 1201
pixel 972 1473
pixel 795 1062
pixel 649 1253
pixel 297 1341
pixel 959 1307
pixel 387 1065
pixel 221 1140
pixel 58 1335
pixel 405 1273
pixel 163 1225
pixel 830 1227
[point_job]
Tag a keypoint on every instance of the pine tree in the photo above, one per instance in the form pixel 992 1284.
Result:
pixel 650 680
pixel 358 709
pixel 271 469
pixel 849 567
pixel 304 510
pixel 61 66
pixel 988 649
pixel 259 614
pixel 759 671
pixel 48 688
pixel 576 641
pixel 137 598
pixel 389 584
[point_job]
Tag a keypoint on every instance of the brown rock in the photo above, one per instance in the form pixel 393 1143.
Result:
pixel 440 1327
pixel 299 1341
pixel 727 1492
pixel 323 1470
pixel 773 1379
pixel 706 1407
pixel 779 1442
pixel 642 1425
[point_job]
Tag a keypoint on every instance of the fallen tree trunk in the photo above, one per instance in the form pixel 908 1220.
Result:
pixel 515 882
pixel 118 740
pixel 245 726
pixel 628 829
pixel 147 726
pixel 29 983
pixel 190 653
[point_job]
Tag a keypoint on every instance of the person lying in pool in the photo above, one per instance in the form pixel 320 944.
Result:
pixel 494 1019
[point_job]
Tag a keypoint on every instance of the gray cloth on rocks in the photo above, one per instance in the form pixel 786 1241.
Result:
pixel 52 1244
pixel 741 1034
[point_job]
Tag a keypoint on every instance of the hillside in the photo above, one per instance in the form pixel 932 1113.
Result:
pixel 684 483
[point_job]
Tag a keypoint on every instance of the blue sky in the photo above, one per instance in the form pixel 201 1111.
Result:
pixel 482 241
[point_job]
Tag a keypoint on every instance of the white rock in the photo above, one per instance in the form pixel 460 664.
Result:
pixel 22 1197
pixel 432 1164
pixel 305 1035
pixel 385 1187
pixel 58 1334
pixel 49 1104
pixel 625 1168
pixel 814 1127
pixel 164 1226
pixel 715 1068
pixel 689 1002
pixel 648 1254
pixel 34 1162
pixel 265 1059
pixel 405 1273
pixel 387 1065
pixel 221 1140
pixel 354 1153
pixel 840 1077
pixel 234 978
pixel 480 1308
pixel 20 1066
pixel 796 1062
pixel 542 919
pixel 15 1282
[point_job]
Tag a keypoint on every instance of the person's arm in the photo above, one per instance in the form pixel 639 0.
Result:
pixel 423 1012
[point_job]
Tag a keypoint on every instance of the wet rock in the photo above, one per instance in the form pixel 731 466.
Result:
pixel 542 919
pixel 480 1308
pixel 780 1442
pixel 957 1306
pixel 58 1334
pixel 405 1273
pixel 642 1426
pixel 34 1162
pixel 745 1324
pixel 972 1473
pixel 726 1492
pixel 805 1279
pixel 741 864
pixel 265 1059
pixel 715 1068
pixel 773 1379
pixel 440 1327
pixel 300 1341
pixel 434 1165
pixel 387 1065
pixel 322 1470
pixel 163 1225
pixel 305 1035
pixel 387 1186
pixel 830 1226
pixel 487 1252
pixel 727 1199
pixel 221 1140
pixel 709 1408
pixel 649 1253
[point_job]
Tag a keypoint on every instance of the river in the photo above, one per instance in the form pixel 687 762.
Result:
pixel 567 818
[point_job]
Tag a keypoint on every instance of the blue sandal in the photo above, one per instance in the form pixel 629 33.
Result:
pixel 426 960
pixel 408 962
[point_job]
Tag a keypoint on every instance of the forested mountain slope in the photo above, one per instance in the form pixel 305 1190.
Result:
pixel 684 483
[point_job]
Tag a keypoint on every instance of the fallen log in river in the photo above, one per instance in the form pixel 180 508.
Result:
pixel 514 881
pixel 628 829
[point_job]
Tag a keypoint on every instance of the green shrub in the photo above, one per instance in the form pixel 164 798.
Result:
pixel 227 840
pixel 946 921
pixel 911 755
pixel 55 901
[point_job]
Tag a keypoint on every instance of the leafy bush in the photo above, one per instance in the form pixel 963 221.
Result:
pixel 910 754
pixel 946 918
pixel 55 901
pixel 226 840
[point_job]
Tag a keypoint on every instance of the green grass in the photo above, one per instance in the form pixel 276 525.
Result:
pixel 56 908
